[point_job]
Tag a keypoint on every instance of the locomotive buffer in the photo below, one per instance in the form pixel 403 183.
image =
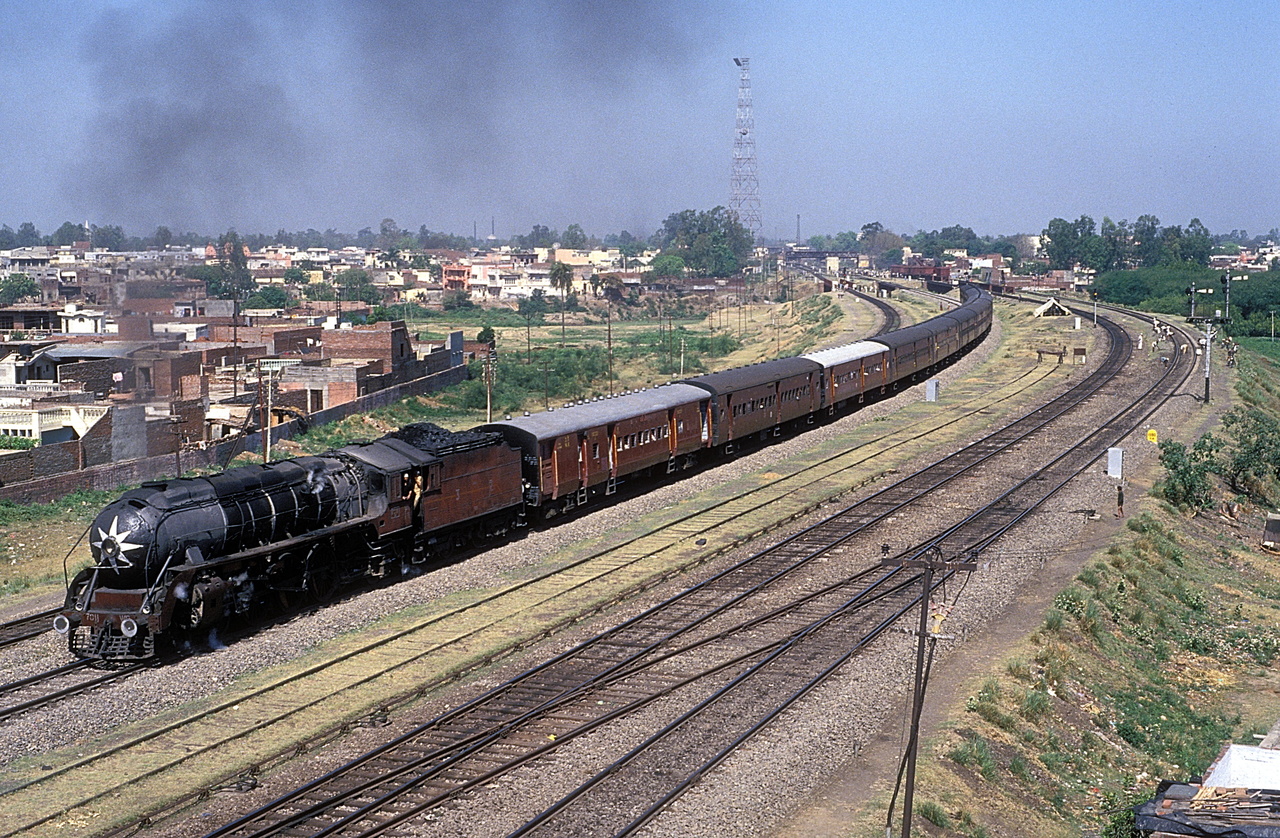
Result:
pixel 930 562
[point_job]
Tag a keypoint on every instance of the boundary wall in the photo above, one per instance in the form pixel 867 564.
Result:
pixel 19 484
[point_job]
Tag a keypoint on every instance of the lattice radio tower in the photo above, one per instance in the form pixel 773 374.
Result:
pixel 745 187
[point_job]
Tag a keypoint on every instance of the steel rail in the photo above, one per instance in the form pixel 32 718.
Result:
pixel 1128 418
pixel 25 628
pixel 218 833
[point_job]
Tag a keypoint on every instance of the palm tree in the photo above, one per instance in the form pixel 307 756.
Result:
pixel 562 278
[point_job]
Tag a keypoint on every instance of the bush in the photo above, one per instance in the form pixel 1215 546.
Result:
pixel 934 814
pixel 16 443
pixel 456 301
pixel 1186 483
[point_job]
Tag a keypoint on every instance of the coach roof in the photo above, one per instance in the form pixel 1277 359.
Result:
pixel 594 414
pixel 741 378
pixel 848 352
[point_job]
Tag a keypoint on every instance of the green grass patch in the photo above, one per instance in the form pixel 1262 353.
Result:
pixel 974 752
pixel 934 814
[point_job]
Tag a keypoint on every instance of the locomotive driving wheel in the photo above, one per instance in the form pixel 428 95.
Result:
pixel 196 608
pixel 321 576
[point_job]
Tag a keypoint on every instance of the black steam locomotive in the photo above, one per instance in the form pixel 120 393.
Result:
pixel 178 557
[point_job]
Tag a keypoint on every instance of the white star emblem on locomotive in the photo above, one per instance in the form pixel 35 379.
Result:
pixel 111 544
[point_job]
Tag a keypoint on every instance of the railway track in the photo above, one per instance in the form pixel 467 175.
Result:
pixel 57 684
pixel 806 487
pixel 208 753
pixel 891 317
pixel 553 704
pixel 25 628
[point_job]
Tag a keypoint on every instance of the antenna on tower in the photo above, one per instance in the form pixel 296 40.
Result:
pixel 744 185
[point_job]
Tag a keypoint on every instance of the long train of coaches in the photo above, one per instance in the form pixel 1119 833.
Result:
pixel 179 557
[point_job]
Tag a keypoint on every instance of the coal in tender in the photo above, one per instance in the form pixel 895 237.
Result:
pixel 429 437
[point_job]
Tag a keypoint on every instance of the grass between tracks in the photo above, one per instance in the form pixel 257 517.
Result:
pixel 1162 648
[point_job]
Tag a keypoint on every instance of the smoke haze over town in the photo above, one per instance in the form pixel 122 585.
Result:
pixel 204 115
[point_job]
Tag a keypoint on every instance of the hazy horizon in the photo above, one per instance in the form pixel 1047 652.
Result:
pixel 998 116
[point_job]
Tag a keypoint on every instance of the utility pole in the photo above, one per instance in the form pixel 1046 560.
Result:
pixel 235 348
pixel 608 324
pixel 488 384
pixel 931 561
pixel 546 378
pixel 1209 335
pixel 264 416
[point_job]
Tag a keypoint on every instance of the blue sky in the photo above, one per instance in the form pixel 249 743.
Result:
pixel 994 115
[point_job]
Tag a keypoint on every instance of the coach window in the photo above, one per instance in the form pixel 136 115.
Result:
pixel 595 450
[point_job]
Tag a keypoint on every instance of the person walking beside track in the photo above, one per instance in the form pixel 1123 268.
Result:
pixel 1120 501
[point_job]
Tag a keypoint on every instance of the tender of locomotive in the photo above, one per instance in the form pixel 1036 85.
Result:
pixel 175 558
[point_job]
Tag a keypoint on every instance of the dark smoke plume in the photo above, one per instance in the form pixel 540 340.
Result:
pixel 263 115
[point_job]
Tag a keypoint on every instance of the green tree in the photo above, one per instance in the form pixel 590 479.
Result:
pixel 486 335
pixel 163 237
pixel 235 282
pixel 562 279
pixel 456 301
pixel 319 291
pixel 390 257
pixel 68 233
pixel 17 287
pixel 296 276
pixel 27 235
pixel 711 243
pixel 389 234
pixel 614 289
pixel 1187 471
pixel 356 284
pixel 1252 463
pixel 1146 241
pixel 531 308
pixel 269 297
pixel 539 236
pixel 109 237
pixel 574 238
pixel 441 241
pixel 1197 243
pixel 1068 242
pixel 880 244
pixel 667 264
